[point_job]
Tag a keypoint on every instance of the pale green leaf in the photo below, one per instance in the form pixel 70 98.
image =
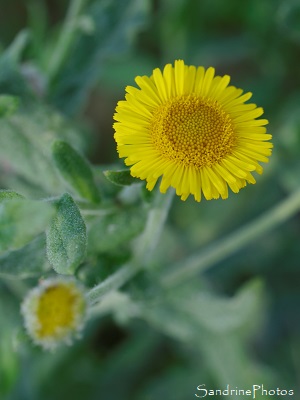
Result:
pixel 21 220
pixel 28 261
pixel 25 147
pixel 66 237
pixel 220 313
pixel 213 329
pixel 20 150
pixel 75 170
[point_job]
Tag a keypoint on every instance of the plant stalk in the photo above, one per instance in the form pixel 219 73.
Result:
pixel 66 37
pixel 235 241
pixel 145 246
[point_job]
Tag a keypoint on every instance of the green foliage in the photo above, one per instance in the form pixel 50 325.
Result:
pixel 111 231
pixel 213 325
pixel 9 194
pixel 8 105
pixel 21 220
pixel 218 314
pixel 212 299
pixel 121 178
pixel 114 27
pixel 25 262
pixel 11 80
pixel 25 146
pixel 9 360
pixel 75 170
pixel 66 237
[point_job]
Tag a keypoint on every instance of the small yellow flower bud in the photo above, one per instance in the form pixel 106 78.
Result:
pixel 54 312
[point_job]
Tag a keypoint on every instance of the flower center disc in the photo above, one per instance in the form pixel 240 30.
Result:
pixel 56 310
pixel 192 130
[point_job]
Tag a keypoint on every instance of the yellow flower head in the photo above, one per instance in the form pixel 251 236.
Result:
pixel 191 128
pixel 54 312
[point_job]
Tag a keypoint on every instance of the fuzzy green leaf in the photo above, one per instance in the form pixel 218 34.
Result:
pixel 121 178
pixel 25 148
pixel 219 337
pixel 21 220
pixel 9 194
pixel 26 262
pixel 66 238
pixel 221 314
pixel 75 170
pixel 20 149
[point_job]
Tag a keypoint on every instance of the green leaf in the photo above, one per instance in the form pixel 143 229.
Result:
pixel 21 220
pixel 20 150
pixel 8 105
pixel 66 237
pixel 227 357
pixel 75 170
pixel 217 338
pixel 11 79
pixel 16 49
pixel 221 314
pixel 110 231
pixel 26 262
pixel 115 25
pixel 25 147
pixel 121 178
pixel 9 194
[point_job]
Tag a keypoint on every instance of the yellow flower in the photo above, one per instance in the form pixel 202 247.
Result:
pixel 191 128
pixel 54 312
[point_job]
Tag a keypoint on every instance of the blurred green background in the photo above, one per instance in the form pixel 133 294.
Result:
pixel 258 44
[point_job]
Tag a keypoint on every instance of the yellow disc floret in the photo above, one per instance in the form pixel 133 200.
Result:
pixel 54 311
pixel 193 131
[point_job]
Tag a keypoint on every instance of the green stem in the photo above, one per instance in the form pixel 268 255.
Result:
pixel 204 259
pixel 113 282
pixel 66 37
pixel 145 246
pixel 155 223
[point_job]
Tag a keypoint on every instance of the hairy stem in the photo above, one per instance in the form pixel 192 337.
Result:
pixel 146 244
pixel 218 251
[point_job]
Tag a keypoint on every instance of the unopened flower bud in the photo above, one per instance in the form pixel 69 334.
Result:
pixel 54 312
